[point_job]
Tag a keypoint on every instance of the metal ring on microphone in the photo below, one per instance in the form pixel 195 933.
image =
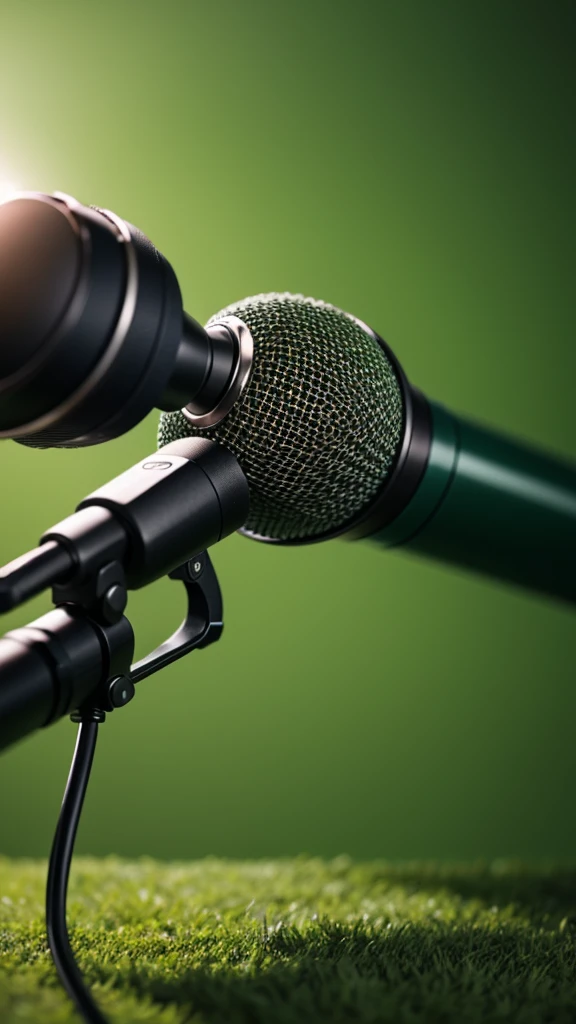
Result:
pixel 241 336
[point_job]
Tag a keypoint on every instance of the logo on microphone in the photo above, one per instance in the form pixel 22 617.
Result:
pixel 156 465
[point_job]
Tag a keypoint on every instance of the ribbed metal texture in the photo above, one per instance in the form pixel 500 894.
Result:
pixel 320 421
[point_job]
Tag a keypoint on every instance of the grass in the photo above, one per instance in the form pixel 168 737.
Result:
pixel 297 941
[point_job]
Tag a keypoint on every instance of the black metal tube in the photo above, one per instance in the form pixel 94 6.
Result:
pixel 31 573
pixel 51 666
pixel 191 367
pixel 27 689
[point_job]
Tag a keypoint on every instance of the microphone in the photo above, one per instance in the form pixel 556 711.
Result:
pixel 332 437
pixel 334 441
pixel 92 331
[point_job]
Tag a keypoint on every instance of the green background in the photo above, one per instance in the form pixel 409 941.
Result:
pixel 412 163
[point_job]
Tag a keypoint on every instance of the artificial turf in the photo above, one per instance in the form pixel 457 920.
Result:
pixel 297 941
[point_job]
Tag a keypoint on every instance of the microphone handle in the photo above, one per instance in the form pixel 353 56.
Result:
pixel 488 503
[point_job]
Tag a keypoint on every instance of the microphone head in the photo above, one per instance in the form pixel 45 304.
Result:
pixel 319 423
pixel 90 323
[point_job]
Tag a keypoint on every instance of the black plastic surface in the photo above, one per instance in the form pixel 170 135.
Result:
pixel 32 573
pixel 68 353
pixel 173 504
pixel 192 365
pixel 40 263
pixel 52 665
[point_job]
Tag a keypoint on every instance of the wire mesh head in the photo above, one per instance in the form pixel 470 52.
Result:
pixel 319 423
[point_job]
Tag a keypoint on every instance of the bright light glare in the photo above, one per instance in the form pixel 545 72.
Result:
pixel 8 188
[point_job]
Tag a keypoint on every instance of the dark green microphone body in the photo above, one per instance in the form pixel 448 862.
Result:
pixel 493 505
pixel 334 441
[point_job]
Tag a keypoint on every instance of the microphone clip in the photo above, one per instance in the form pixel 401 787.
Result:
pixel 203 624
pixel 80 654
pixel 103 600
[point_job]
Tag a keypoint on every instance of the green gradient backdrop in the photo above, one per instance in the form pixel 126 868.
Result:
pixel 413 163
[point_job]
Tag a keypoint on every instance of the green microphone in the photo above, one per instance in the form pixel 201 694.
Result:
pixel 334 441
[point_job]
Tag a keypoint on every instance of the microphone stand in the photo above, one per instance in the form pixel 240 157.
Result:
pixel 88 627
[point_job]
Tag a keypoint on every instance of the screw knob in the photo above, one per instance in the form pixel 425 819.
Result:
pixel 121 691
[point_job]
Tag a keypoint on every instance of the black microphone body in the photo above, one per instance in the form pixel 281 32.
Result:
pixel 92 331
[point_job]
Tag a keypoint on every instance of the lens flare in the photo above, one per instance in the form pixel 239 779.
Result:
pixel 8 188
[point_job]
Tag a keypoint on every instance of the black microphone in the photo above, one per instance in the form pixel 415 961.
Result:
pixel 92 331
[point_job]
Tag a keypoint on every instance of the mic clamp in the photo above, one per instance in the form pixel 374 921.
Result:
pixel 154 520
pixel 85 646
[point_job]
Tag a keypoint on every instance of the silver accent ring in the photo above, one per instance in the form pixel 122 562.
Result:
pixel 239 331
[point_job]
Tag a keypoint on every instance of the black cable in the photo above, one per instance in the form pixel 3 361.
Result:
pixel 59 871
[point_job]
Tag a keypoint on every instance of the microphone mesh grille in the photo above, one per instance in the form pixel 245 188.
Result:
pixel 319 422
